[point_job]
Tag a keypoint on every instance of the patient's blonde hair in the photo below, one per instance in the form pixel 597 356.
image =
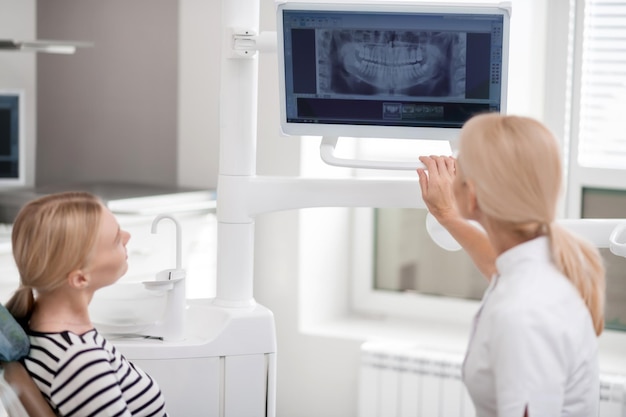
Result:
pixel 515 165
pixel 52 236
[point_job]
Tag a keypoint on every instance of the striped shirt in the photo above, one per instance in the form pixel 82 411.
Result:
pixel 85 375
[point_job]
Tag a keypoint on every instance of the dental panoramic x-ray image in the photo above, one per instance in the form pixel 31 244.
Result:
pixel 398 63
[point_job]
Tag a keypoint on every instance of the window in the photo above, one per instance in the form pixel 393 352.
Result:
pixel 601 141
pixel 597 157
pixel 405 262
pixel 408 260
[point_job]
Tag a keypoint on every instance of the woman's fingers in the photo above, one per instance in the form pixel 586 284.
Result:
pixel 438 165
pixel 451 165
pixel 423 180
pixel 429 162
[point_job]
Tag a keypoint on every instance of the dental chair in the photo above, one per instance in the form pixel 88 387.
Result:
pixel 19 396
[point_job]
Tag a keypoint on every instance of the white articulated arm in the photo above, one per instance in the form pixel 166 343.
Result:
pixel 602 233
pixel 243 198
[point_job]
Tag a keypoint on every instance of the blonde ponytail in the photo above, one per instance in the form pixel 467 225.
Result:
pixel 21 305
pixel 582 264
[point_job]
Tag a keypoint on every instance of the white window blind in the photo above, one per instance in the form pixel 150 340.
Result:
pixel 602 129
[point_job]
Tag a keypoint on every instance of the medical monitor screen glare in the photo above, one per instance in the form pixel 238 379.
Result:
pixel 9 137
pixel 383 70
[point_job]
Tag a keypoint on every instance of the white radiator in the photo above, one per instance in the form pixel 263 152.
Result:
pixel 406 381
pixel 403 381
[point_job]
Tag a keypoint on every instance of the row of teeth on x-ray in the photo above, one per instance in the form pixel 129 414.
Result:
pixel 392 61
pixel 391 67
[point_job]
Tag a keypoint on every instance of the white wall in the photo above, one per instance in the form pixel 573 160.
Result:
pixel 17 69
pixel 198 92
pixel 109 112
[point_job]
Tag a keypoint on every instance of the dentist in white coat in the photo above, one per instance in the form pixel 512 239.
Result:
pixel 533 348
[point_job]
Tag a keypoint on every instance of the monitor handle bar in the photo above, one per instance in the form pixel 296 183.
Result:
pixel 327 152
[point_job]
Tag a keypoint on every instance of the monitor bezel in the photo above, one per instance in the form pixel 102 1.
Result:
pixel 20 180
pixel 369 131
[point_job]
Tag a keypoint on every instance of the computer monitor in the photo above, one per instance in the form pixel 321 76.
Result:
pixel 12 156
pixel 390 69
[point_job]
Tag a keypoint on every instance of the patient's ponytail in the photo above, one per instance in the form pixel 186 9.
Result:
pixel 21 305
pixel 582 264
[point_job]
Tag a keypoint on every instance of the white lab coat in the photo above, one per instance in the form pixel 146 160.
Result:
pixel 533 342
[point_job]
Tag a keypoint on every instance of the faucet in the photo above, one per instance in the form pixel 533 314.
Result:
pixel 171 326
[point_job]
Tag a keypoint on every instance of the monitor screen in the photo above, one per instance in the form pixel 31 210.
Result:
pixel 11 143
pixel 390 69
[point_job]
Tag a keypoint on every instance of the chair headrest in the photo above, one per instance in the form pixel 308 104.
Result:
pixel 14 343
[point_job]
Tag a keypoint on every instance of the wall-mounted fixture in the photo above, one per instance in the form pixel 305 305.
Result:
pixel 47 46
